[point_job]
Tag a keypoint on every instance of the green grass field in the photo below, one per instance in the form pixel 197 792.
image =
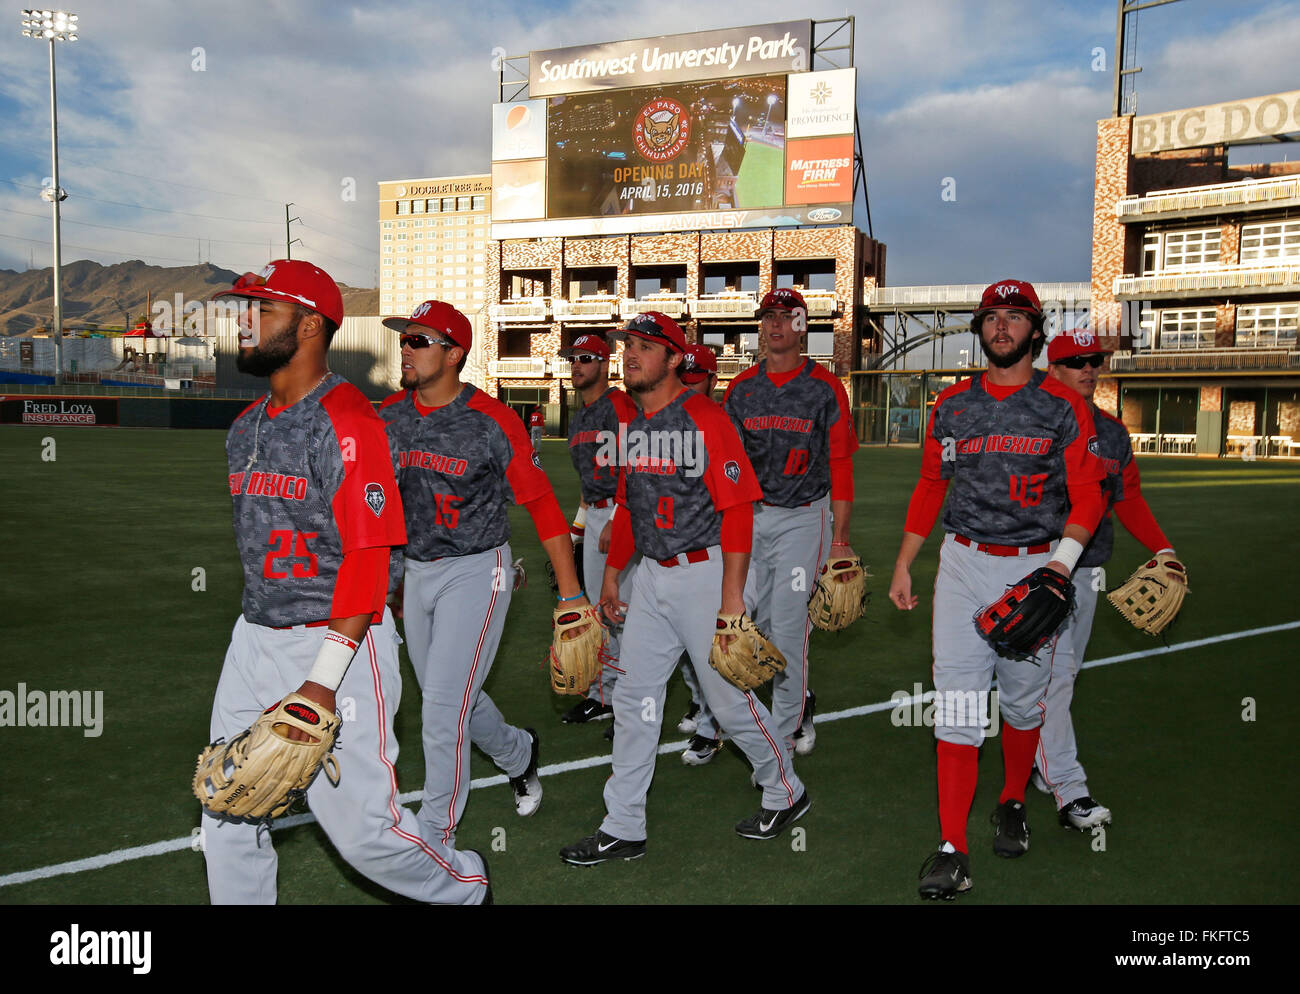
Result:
pixel 761 180
pixel 99 549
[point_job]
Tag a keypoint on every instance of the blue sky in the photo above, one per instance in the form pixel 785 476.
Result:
pixel 290 101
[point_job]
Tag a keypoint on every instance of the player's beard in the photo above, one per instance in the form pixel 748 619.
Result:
pixel 267 357
pixel 1012 357
pixel 646 385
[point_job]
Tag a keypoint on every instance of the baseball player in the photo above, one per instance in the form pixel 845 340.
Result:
pixel 1074 358
pixel 606 412
pixel 461 457
pixel 536 422
pixel 1017 449
pixel 793 417
pixel 685 502
pixel 699 373
pixel 317 514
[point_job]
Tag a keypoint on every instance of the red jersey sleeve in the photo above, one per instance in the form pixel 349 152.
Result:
pixel 622 544
pixel 367 506
pixel 523 469
pixel 729 475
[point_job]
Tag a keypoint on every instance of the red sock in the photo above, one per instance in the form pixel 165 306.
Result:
pixel 958 770
pixel 1018 747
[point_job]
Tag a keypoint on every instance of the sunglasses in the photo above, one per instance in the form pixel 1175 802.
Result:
pixel 424 341
pixel 584 358
pixel 1079 361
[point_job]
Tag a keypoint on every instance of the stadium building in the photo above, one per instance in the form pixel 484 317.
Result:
pixel 691 191
pixel 1196 277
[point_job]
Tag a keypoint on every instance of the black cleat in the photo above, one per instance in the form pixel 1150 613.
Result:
pixel 769 824
pixel 600 848
pixel 945 874
pixel 587 709
pixel 1012 837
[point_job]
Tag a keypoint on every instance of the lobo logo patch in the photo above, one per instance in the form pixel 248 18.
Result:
pixel 1094 446
pixel 732 470
pixel 375 498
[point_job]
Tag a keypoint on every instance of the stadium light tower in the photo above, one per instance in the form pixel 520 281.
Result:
pixel 52 26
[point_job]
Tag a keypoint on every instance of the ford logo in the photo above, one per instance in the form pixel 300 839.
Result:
pixel 824 214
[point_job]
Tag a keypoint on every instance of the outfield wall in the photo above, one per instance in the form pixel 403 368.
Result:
pixel 61 411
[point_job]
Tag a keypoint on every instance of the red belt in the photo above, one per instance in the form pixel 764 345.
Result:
pixel 309 624
pixel 1004 550
pixel 694 556
pixel 599 504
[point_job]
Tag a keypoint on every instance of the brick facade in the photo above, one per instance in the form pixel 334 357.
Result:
pixel 1114 141
pixel 859 264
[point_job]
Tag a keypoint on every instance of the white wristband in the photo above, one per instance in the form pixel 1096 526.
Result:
pixel 580 519
pixel 1067 553
pixel 332 661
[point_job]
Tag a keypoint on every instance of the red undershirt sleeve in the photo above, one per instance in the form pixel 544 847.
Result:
pixel 547 517
pixel 362 584
pixel 621 542
pixel 738 528
pixel 927 497
pixel 842 478
pixel 1083 475
pixel 1135 514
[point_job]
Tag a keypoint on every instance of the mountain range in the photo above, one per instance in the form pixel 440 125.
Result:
pixel 99 297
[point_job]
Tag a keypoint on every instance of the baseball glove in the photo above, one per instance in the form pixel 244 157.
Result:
pixel 259 773
pixel 1151 597
pixel 577 650
pixel 1028 615
pixel 840 597
pixel 751 660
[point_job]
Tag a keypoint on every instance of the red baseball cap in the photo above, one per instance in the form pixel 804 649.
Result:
pixel 782 299
pixel 1013 295
pixel 437 315
pixel 589 345
pixel 699 363
pixel 1076 341
pixel 294 280
pixel 653 327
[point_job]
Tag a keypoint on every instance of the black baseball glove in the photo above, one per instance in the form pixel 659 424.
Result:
pixel 1028 615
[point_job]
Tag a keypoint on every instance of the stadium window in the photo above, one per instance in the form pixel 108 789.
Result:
pixel 1186 328
pixel 1264 326
pixel 417 206
pixel 403 207
pixel 1180 251
pixel 1274 240
pixel 462 203
pixel 480 203
pixel 448 204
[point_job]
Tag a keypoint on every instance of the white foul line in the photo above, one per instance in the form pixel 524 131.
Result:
pixel 187 842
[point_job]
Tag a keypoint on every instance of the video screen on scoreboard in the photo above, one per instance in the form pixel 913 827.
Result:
pixel 716 145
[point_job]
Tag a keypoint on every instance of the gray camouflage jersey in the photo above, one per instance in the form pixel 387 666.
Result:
pixel 684 467
pixel 458 467
pixel 308 485
pixel 1007 459
pixel 591 432
pixel 1116 452
pixel 791 431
